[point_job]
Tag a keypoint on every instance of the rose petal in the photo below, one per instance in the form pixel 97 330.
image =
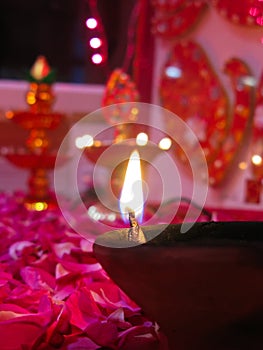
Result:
pixel 61 271
pixel 139 338
pixel 26 327
pixel 86 245
pixel 63 248
pixel 5 277
pixel 82 343
pixel 83 309
pixel 26 297
pixel 53 293
pixel 103 333
pixel 80 268
pixel 114 298
pixel 117 317
pixel 37 278
pixel 16 249
pixel 25 334
pixel 13 308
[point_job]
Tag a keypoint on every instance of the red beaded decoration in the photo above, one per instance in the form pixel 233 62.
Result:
pixel 245 12
pixel 174 18
pixel 190 88
pixel 120 88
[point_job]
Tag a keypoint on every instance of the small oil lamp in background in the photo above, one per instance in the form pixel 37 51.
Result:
pixel 39 118
pixel 203 287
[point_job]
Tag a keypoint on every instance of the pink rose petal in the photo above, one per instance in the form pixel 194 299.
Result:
pixel 16 249
pixel 80 269
pixel 26 327
pixel 37 278
pixel 82 343
pixel 53 292
pixel 139 338
pixel 25 333
pixel 63 248
pixel 118 318
pixel 103 333
pixel 83 309
pixel 26 297
pixel 109 295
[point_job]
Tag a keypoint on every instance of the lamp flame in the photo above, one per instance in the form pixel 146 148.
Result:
pixel 131 198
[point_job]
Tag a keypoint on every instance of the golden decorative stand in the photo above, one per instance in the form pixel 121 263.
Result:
pixel 38 119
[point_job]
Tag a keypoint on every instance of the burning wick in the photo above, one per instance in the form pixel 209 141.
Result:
pixel 135 233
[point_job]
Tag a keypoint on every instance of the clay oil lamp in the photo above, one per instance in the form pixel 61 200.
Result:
pixel 201 283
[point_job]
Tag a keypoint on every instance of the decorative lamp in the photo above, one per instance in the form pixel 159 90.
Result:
pixel 39 118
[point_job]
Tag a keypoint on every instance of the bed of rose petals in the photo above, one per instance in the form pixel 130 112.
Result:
pixel 55 295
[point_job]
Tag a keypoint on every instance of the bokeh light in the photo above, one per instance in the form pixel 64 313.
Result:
pixel 95 43
pixel 97 58
pixel 91 23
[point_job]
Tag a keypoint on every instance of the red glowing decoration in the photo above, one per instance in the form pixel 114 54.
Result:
pixel 243 86
pixel 41 72
pixel 120 88
pixel 190 88
pixel 174 18
pixel 253 191
pixel 38 119
pixel 245 12
pixel 257 136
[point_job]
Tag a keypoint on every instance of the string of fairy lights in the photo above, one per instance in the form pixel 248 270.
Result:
pixel 97 42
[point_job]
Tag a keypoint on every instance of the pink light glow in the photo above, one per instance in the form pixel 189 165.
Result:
pixel 95 43
pixel 260 20
pixel 91 23
pixel 96 58
pixel 254 11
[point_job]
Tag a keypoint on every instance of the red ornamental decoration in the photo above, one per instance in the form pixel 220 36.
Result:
pixel 253 191
pixel 245 12
pixel 243 111
pixel 119 89
pixel 190 88
pixel 174 18
pixel 257 136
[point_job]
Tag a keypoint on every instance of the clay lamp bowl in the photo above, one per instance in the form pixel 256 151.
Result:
pixel 204 287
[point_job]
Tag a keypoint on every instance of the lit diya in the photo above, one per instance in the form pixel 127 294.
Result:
pixel 203 287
